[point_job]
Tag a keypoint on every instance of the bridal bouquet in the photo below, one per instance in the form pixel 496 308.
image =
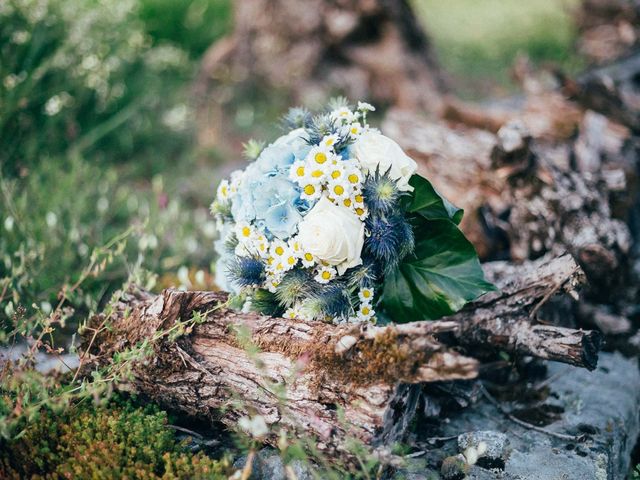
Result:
pixel 332 222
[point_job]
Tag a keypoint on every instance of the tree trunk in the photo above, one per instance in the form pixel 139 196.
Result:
pixel 303 373
pixel 308 51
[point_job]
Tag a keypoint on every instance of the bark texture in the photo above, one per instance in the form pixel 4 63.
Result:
pixel 308 51
pixel 303 372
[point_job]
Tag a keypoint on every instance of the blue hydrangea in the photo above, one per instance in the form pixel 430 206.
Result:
pixel 272 202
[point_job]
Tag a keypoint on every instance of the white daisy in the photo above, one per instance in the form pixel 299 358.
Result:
pixel 366 295
pixel 325 274
pixel 365 312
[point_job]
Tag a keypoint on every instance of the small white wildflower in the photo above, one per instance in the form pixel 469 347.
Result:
pixel 183 277
pixel 366 295
pixel 325 274
pixel 223 191
pixel 307 260
pixel 365 312
pixel 329 140
pixel 51 219
pixel 103 204
pixel 53 106
pixel 45 307
pixel 364 107
pixel 254 426
pixel 343 115
pixel 8 224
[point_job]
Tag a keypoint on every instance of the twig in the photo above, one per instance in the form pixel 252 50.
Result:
pixel 552 291
pixel 186 430
pixel 522 423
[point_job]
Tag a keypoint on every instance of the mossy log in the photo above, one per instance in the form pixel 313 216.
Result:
pixel 303 374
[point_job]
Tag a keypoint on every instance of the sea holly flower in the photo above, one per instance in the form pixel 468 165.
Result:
pixel 331 219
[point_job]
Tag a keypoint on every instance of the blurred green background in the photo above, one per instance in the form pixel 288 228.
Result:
pixel 97 132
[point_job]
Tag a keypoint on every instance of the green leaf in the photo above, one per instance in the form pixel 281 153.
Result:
pixel 438 279
pixel 426 201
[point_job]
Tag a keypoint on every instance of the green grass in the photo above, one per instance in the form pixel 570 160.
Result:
pixel 478 41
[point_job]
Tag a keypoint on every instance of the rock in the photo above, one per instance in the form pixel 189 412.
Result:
pixel 416 469
pixel 603 405
pixel 495 455
pixel 268 465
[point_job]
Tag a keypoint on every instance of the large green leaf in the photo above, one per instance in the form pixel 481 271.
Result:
pixel 426 201
pixel 438 279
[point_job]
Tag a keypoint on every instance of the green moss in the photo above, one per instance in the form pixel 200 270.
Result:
pixel 116 441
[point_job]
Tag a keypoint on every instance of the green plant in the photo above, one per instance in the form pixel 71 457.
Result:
pixel 192 24
pixel 114 441
pixel 83 78
pixel 57 220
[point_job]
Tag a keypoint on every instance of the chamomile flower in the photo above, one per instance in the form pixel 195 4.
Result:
pixel 261 246
pixel 273 281
pixel 365 295
pixel 354 176
pixel 244 231
pixel 365 312
pixel 291 313
pixel 277 250
pixel 290 259
pixel 320 155
pixel 325 274
pixel 364 107
pixel 223 192
pixel 329 140
pixel 338 191
pixel 299 171
pixel 307 260
pixel 336 171
pixel 355 129
pixel 310 190
pixel 343 115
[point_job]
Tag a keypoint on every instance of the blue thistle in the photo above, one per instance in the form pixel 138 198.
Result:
pixel 230 244
pixel 319 127
pixel 265 302
pixel 364 275
pixel 390 240
pixel 297 117
pixel 334 300
pixel 295 286
pixel 246 271
pixel 381 193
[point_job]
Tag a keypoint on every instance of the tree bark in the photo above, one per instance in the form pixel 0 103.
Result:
pixel 302 373
pixel 308 51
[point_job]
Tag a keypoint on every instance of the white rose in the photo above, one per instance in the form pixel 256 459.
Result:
pixel 333 234
pixel 375 151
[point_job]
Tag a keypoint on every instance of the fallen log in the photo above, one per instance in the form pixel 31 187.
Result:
pixel 299 375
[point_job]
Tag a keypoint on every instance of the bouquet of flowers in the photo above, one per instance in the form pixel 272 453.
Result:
pixel 332 222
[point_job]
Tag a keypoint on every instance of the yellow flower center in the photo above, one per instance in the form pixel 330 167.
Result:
pixel 320 157
pixel 300 171
pixel 365 310
pixel 338 189
pixel 347 202
pixel 335 174
pixel 291 260
pixel 353 178
pixel 359 211
pixel 308 257
pixel 309 189
pixel 359 199
pixel 316 173
pixel 246 231
pixel 279 250
pixel 366 293
pixel 326 275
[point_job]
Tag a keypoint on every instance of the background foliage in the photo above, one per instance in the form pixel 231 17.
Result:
pixel 103 182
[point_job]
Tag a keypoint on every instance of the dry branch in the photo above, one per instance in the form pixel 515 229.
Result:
pixel 304 372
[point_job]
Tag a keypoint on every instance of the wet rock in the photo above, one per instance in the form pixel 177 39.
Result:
pixel 494 454
pixel 602 407
pixel 268 465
